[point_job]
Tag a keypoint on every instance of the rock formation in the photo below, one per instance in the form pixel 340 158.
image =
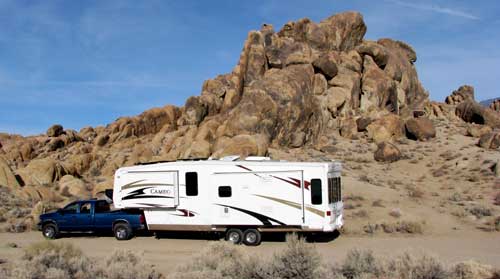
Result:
pixel 307 85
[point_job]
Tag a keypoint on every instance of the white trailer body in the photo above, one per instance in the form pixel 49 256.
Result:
pixel 215 195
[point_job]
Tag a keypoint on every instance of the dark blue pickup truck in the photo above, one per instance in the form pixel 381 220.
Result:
pixel 92 216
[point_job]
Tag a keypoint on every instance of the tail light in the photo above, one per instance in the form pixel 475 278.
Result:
pixel 328 213
pixel 142 220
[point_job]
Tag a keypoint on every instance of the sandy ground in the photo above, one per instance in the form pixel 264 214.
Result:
pixel 168 252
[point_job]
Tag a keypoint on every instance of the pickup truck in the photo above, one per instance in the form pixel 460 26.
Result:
pixel 91 216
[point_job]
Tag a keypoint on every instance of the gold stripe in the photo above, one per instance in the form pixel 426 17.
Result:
pixel 295 205
pixel 132 185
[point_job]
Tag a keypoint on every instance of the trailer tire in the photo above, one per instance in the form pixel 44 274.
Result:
pixel 50 231
pixel 234 236
pixel 252 237
pixel 122 231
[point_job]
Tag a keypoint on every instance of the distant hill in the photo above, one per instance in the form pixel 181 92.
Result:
pixel 487 103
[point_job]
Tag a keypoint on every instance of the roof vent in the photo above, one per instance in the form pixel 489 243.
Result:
pixel 230 158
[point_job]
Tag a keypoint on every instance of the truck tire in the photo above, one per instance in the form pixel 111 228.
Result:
pixel 50 231
pixel 252 237
pixel 122 231
pixel 234 236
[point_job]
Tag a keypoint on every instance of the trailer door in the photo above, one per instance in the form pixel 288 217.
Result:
pixel 143 189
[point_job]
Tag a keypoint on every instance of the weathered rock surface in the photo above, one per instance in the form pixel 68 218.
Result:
pixel 420 129
pixel 387 152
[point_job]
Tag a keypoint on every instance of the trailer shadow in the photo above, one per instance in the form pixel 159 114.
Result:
pixel 266 237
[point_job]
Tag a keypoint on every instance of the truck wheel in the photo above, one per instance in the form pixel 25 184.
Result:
pixel 252 237
pixel 122 231
pixel 50 231
pixel 234 236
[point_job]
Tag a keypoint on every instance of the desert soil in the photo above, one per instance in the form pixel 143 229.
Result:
pixel 168 253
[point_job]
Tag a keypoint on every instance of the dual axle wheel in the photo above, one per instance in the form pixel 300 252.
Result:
pixel 250 237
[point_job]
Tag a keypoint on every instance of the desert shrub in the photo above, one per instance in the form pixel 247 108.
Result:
pixel 416 193
pixel 53 260
pixel 218 260
pixel 359 263
pixel 298 260
pixel 125 264
pixel 471 270
pixel 408 266
pixel 479 211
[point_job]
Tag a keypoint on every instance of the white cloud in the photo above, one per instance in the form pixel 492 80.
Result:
pixel 435 8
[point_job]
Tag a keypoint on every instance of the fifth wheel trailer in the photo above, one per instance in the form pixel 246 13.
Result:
pixel 239 197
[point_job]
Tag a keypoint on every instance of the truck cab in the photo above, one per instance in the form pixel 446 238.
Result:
pixel 91 216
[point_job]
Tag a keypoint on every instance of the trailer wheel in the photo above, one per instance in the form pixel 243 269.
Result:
pixel 252 237
pixel 50 231
pixel 234 236
pixel 122 231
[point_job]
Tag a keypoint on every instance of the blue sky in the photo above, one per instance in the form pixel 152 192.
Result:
pixel 81 63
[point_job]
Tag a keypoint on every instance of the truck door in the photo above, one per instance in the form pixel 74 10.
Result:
pixel 67 220
pixel 84 216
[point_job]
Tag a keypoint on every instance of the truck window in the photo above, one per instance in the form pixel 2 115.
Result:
pixel 225 191
pixel 101 207
pixel 85 208
pixel 191 184
pixel 70 208
pixel 316 197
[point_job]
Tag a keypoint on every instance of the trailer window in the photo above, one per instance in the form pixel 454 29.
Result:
pixel 334 190
pixel 191 184
pixel 316 197
pixel 225 191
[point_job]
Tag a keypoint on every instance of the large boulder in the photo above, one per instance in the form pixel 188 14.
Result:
pixel 490 140
pixel 326 64
pixel 71 186
pixel 387 152
pixel 344 31
pixel 7 177
pixel 478 131
pixel 387 128
pixel 472 112
pixel 242 145
pixel 420 129
pixel 464 93
pixel 55 130
pixel 42 172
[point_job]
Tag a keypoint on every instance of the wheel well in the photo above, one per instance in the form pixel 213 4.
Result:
pixel 44 223
pixel 116 222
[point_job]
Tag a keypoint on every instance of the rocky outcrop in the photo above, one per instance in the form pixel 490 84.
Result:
pixel 420 129
pixel 464 93
pixel 306 85
pixel 387 152
pixel 478 131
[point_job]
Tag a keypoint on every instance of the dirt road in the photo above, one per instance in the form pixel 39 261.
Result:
pixel 167 253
